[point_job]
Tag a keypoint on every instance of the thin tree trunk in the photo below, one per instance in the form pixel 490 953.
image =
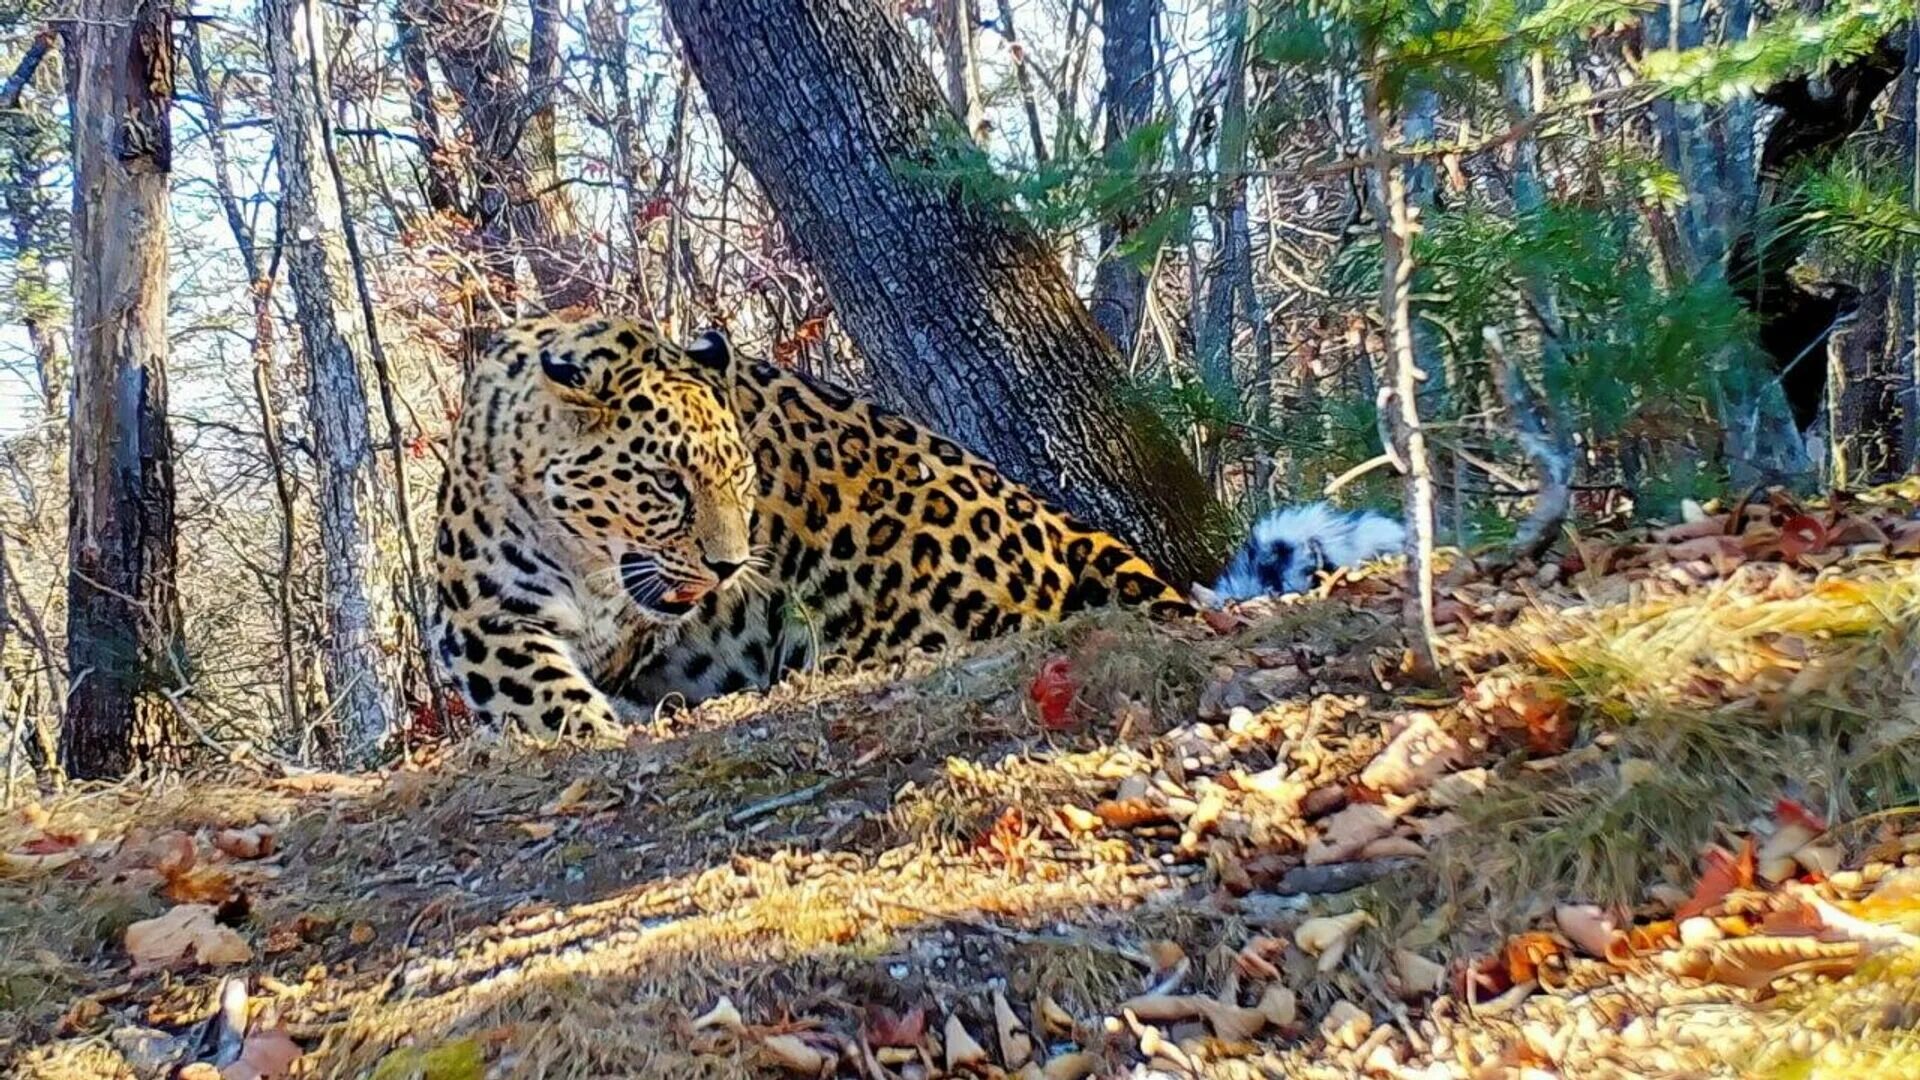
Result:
pixel 1906 384
pixel 1395 222
pixel 1540 423
pixel 962 313
pixel 358 686
pixel 957 25
pixel 260 292
pixel 1230 237
pixel 442 189
pixel 25 197
pixel 415 580
pixel 1024 79
pixel 123 615
pixel 1127 50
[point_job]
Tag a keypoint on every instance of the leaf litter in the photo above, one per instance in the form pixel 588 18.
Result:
pixel 1661 826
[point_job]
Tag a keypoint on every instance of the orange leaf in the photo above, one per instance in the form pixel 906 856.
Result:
pixel 207 885
pixel 1721 874
pixel 175 854
pixel 1526 954
pixel 186 934
pixel 251 843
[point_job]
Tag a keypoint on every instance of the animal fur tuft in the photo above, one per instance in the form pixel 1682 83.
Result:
pixel 1289 546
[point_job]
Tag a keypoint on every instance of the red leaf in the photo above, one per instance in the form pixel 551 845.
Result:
pixel 1787 810
pixel 1053 691
pixel 49 843
pixel 1802 535
pixel 905 1031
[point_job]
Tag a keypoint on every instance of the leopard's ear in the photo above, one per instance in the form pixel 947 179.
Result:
pixel 712 350
pixel 713 356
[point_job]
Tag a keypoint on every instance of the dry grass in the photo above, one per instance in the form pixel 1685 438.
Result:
pixel 1708 707
pixel 896 837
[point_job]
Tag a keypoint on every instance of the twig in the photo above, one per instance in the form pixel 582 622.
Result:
pixel 781 802
pixel 1355 473
pixel 1337 877
pixel 1023 937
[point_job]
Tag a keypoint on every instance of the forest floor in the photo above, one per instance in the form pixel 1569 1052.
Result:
pixel 1659 824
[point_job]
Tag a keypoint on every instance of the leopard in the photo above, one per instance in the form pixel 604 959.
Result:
pixel 625 521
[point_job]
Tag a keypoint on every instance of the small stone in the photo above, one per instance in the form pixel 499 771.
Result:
pixel 1699 930
pixel 1240 720
pixel 148 1051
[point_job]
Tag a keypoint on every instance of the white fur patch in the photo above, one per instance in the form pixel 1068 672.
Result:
pixel 1289 545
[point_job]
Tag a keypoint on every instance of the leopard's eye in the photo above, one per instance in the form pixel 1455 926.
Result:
pixel 670 481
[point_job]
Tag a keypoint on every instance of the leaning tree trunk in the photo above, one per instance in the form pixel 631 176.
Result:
pixel 123 616
pixel 509 122
pixel 354 659
pixel 961 312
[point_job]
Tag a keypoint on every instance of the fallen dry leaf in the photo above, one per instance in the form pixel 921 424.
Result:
pixel 185 935
pixel 723 1015
pixel 1721 873
pixel 1016 1046
pixel 1345 834
pixel 1754 963
pixel 1419 976
pixel 907 1030
pixel 1327 937
pixel 265 1055
pixel 255 842
pixel 1591 930
pixel 17 864
pixel 963 1050
pixel 201 885
pixel 1415 757
pixel 795 1054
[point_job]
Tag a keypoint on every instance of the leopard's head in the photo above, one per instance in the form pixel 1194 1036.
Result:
pixel 644 458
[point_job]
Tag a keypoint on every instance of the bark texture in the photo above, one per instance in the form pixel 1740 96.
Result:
pixel 348 484
pixel 961 312
pixel 1127 50
pixel 123 617
pixel 509 118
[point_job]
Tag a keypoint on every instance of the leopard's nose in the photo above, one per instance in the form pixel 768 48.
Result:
pixel 723 571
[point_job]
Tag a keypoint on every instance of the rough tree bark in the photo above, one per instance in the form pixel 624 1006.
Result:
pixel 522 207
pixel 962 314
pixel 1127 50
pixel 123 616
pixel 357 680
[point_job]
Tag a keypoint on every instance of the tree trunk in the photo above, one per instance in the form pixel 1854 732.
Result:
pixel 509 120
pixel 358 684
pixel 261 351
pixel 1396 221
pixel 1119 285
pixel 957 25
pixel 123 616
pixel 961 312
pixel 1231 238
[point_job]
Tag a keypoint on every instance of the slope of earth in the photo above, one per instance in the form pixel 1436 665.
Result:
pixel 1657 826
